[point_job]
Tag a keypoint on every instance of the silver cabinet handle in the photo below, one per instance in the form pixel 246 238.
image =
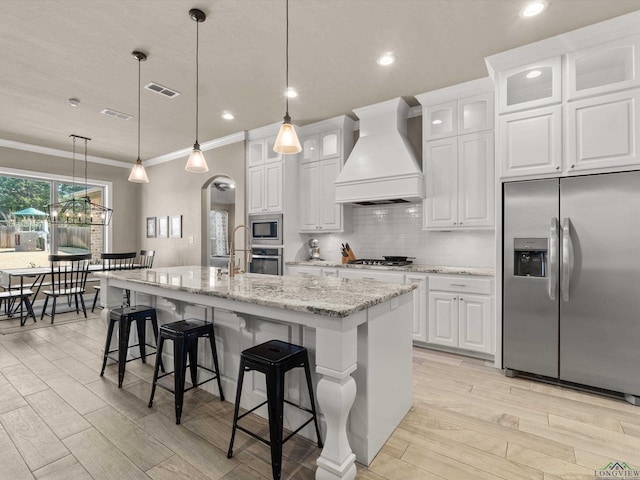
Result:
pixel 458 284
pixel 567 258
pixel 553 259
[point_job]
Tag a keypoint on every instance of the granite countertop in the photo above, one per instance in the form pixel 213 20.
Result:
pixel 331 297
pixel 414 267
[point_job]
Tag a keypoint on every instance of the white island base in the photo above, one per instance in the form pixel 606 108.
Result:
pixel 363 360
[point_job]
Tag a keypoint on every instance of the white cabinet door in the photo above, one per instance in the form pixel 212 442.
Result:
pixel 256 152
pixel 530 86
pixel 273 187
pixel 330 215
pixel 269 154
pixel 475 329
pixel 308 196
pixel 310 149
pixel 419 306
pixel 531 142
pixel 441 174
pixel 443 319
pixel 330 144
pixel 475 114
pixel 441 120
pixel 604 68
pixel 256 190
pixel 476 180
pixel 602 131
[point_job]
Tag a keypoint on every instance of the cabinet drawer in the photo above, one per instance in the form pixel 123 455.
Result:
pixel 461 284
pixel 372 275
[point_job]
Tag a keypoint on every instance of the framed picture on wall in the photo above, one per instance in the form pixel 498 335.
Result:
pixel 151 227
pixel 175 226
pixel 163 227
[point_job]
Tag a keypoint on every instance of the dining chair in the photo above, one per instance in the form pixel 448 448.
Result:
pixel 68 279
pixel 146 258
pixel 17 292
pixel 114 261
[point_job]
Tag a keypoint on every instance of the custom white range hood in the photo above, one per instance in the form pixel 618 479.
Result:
pixel 382 168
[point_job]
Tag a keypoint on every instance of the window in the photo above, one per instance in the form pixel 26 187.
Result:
pixel 26 237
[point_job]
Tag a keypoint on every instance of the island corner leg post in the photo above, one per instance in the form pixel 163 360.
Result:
pixel 336 356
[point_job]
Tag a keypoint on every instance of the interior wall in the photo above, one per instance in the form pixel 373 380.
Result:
pixel 125 195
pixel 174 191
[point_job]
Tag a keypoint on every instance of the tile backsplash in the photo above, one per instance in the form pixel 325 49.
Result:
pixel 397 230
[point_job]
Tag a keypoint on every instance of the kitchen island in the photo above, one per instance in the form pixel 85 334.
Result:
pixel 358 332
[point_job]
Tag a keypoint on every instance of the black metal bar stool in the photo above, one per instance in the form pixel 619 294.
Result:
pixel 185 335
pixel 274 358
pixel 126 316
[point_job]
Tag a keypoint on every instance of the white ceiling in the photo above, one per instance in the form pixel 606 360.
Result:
pixel 55 50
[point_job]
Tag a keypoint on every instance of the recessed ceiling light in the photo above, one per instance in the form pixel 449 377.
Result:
pixel 386 59
pixel 534 74
pixel 533 8
pixel 74 102
pixel 228 116
pixel 291 93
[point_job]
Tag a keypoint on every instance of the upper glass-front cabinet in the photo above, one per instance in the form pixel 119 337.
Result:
pixel 459 117
pixel 530 86
pixel 608 67
pixel 441 120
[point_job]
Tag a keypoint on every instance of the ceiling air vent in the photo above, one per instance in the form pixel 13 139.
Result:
pixel 167 92
pixel 113 113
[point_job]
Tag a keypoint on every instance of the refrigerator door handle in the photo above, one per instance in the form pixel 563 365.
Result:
pixel 567 258
pixel 553 259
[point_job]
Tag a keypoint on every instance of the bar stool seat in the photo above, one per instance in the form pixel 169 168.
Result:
pixel 185 335
pixel 274 358
pixel 126 316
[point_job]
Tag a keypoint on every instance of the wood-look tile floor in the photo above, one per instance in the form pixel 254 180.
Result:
pixel 59 420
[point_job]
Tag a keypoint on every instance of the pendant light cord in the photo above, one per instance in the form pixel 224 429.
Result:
pixel 287 61
pixel 197 76
pixel 139 60
pixel 86 188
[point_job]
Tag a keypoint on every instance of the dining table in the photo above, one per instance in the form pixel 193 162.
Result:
pixel 33 278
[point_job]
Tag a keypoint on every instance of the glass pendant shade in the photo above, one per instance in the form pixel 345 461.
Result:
pixel 287 140
pixel 138 173
pixel 196 162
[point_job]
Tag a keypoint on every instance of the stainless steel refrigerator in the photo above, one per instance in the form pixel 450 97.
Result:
pixel 571 286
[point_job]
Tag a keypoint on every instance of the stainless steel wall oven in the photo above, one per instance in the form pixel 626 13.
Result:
pixel 267 261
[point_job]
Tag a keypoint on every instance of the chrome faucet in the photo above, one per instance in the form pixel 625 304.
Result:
pixel 247 249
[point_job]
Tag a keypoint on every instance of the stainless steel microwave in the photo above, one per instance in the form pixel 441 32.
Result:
pixel 266 229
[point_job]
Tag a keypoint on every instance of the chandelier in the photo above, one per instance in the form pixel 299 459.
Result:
pixel 79 210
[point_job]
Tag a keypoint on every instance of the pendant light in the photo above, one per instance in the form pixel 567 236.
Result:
pixel 287 141
pixel 79 210
pixel 138 174
pixel 196 162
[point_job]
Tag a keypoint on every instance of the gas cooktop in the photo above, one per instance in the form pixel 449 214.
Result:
pixel 380 262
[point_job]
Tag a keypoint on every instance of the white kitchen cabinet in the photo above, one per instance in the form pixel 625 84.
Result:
pixel 461 313
pixel 321 146
pixel 316 182
pixel 325 146
pixel 531 142
pixel 530 86
pixel 603 68
pixel 265 188
pixel 460 182
pixel 459 117
pixel 260 151
pixel 601 132
pixel 419 305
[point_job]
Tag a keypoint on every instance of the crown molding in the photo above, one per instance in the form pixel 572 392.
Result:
pixel 210 145
pixel 184 152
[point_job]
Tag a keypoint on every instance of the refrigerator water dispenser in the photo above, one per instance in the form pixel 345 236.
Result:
pixel 530 257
